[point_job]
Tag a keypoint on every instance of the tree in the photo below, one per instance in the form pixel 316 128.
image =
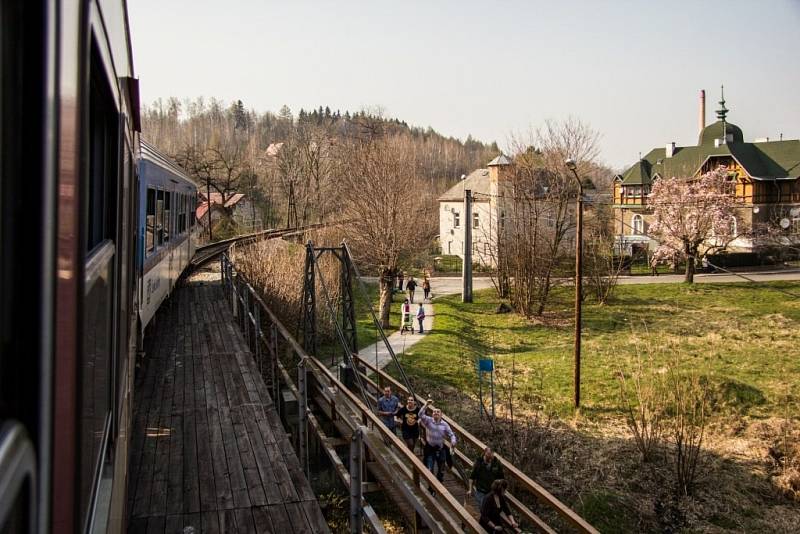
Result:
pixel 693 216
pixel 380 184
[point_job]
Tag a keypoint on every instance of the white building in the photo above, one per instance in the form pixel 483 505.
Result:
pixel 487 213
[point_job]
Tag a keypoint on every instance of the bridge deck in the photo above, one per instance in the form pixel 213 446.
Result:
pixel 208 449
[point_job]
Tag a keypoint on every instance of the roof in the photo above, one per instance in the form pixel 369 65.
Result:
pixel 216 200
pixel 151 153
pixel 477 182
pixel 499 160
pixel 772 160
pixel 715 131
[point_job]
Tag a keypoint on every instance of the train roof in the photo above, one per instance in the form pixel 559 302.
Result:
pixel 153 155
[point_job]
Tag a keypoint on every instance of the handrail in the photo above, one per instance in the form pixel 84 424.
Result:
pixel 524 480
pixel 418 469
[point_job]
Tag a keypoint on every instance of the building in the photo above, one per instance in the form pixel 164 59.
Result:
pixel 766 173
pixel 487 212
pixel 241 209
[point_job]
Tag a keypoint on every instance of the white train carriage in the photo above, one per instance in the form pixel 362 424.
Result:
pixel 167 229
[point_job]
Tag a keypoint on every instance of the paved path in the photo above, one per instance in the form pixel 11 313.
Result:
pixel 378 354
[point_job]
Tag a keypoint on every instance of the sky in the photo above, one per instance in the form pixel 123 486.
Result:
pixel 631 70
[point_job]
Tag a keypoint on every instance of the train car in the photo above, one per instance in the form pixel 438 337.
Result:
pixel 74 250
pixel 167 230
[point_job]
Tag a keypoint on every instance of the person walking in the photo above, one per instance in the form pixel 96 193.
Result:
pixel 409 419
pixel 406 320
pixel 387 408
pixel 411 285
pixel 436 432
pixel 486 469
pixel 495 513
pixel 400 280
pixel 420 316
pixel 426 287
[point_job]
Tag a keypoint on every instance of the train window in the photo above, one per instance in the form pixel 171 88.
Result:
pixel 159 217
pixel 167 215
pixel 103 161
pixel 150 220
pixel 182 213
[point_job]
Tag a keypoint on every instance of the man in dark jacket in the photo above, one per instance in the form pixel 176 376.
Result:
pixel 485 470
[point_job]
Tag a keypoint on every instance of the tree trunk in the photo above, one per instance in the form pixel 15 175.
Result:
pixel 385 305
pixel 689 279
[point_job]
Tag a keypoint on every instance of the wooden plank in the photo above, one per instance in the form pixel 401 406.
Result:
pixel 174 524
pixel 174 503
pixel 156 524
pixel 191 475
pixel 163 435
pixel 314 516
pixel 298 518
pixel 137 525
pixel 280 519
pixel 194 521
pixel 210 521
pixel 239 492
pixel 263 522
pixel 219 463
pixel 236 391
pixel 227 522
pixel 244 521
pixel 205 462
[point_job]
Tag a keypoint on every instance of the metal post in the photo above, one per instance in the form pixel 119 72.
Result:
pixel 257 330
pixel 491 384
pixel 273 339
pixel 309 304
pixel 348 304
pixel 208 196
pixel 466 267
pixel 578 288
pixel 302 416
pixel 480 391
pixel 356 489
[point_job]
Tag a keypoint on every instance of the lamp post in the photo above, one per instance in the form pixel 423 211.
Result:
pixel 570 163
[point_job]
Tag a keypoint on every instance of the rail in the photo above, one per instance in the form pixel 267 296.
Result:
pixel 352 418
pixel 205 253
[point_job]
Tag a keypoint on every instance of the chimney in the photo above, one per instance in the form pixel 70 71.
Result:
pixel 702 117
pixel 670 149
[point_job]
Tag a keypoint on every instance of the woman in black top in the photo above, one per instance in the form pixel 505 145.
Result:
pixel 409 422
pixel 495 514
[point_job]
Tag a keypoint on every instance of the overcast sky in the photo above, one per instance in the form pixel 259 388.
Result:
pixel 632 70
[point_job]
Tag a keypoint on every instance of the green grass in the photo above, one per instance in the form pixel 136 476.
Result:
pixel 367 333
pixel 743 337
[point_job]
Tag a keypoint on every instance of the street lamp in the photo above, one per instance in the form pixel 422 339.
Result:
pixel 570 163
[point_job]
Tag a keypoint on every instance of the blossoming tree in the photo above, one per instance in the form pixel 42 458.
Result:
pixel 692 217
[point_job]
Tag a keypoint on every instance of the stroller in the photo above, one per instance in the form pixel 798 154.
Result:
pixel 408 323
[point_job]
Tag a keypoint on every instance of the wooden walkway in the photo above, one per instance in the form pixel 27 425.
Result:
pixel 208 448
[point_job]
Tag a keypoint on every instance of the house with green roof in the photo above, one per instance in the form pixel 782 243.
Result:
pixel 765 172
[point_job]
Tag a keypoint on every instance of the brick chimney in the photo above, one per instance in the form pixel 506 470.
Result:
pixel 702 117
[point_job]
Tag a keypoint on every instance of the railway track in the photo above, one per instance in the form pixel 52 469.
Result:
pixel 206 253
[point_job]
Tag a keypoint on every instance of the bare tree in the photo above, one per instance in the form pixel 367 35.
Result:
pixel 380 184
pixel 537 201
pixel 602 264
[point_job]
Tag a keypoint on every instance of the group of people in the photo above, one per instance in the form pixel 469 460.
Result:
pixel 411 286
pixel 486 483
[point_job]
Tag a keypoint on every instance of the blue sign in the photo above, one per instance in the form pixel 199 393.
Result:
pixel 486 365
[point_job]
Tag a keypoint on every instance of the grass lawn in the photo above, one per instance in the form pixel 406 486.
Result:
pixel 744 337
pixel 367 333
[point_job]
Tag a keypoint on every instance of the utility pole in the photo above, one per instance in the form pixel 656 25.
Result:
pixel 208 197
pixel 578 279
pixel 466 267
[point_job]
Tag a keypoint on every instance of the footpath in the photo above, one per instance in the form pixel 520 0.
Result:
pixel 378 354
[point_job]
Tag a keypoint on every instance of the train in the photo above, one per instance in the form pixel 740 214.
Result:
pixel 97 227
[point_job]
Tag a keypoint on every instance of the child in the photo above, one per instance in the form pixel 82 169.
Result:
pixel 420 317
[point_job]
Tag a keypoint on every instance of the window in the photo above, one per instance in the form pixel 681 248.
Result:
pixel 638 225
pixel 167 215
pixel 150 221
pixel 456 219
pixel 502 219
pixel 159 217
pixel 734 227
pixel 474 248
pixel 192 212
pixel 476 221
